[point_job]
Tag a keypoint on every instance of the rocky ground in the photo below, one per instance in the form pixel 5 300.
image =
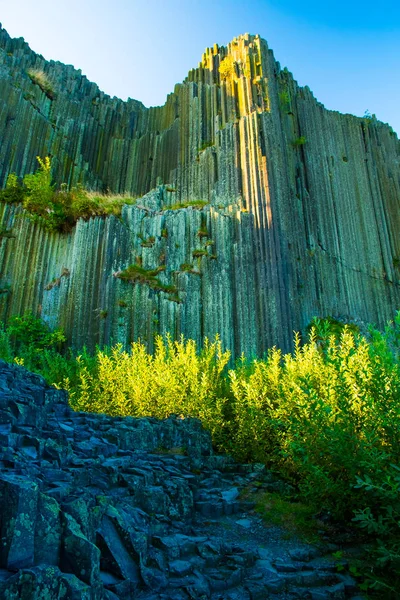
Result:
pixel 94 507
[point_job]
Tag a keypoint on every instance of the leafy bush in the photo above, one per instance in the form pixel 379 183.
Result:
pixel 13 192
pixel 39 191
pixel 176 379
pixel 27 340
pixel 325 417
pixel 59 210
pixel 29 330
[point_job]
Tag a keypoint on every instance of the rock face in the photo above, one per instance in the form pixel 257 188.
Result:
pixel 101 508
pixel 301 215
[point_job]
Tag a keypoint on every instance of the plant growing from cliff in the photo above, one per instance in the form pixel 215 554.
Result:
pixel 284 100
pixel 5 233
pixel 39 191
pixel 40 78
pixel 186 267
pixel 149 242
pixel 199 252
pixel 59 210
pixel 137 274
pixel 205 145
pixel 300 141
pixel 203 232
pixel 188 204
pixel 13 192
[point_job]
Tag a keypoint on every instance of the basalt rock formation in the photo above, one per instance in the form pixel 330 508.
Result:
pixel 300 218
pixel 100 508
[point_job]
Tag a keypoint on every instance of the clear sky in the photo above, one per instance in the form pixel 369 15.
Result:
pixel 347 52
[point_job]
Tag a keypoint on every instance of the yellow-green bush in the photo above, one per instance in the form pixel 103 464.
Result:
pixel 176 379
pixel 321 417
pixel 326 416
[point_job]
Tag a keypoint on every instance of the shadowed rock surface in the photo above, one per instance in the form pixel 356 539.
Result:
pixel 302 213
pixel 94 507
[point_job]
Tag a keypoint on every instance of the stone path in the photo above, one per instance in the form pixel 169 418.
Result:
pixel 94 507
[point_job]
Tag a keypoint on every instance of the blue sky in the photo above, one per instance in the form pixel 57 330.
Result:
pixel 347 52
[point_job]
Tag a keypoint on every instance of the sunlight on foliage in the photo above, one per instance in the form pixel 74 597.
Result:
pixel 326 417
pixel 59 210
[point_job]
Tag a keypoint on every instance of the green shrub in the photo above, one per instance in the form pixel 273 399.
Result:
pixel 137 274
pixel 29 330
pixel 5 233
pixel 39 191
pixel 59 210
pixel 176 379
pixel 325 417
pixel 13 192
pixel 284 100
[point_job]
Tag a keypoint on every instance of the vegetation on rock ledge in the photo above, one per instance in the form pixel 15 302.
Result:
pixel 58 210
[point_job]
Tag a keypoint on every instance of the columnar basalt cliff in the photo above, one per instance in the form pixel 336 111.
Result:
pixel 300 214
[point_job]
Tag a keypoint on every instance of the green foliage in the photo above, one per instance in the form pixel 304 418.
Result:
pixel 203 232
pixel 59 210
pixel 137 274
pixel 5 233
pixel 175 380
pixel 205 145
pixel 381 519
pixel 27 340
pixel 29 330
pixel 39 191
pixel 325 417
pixel 327 326
pixel 186 267
pixel 199 252
pixel 300 141
pixel 149 243
pixel 284 100
pixel 298 518
pixel 13 192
